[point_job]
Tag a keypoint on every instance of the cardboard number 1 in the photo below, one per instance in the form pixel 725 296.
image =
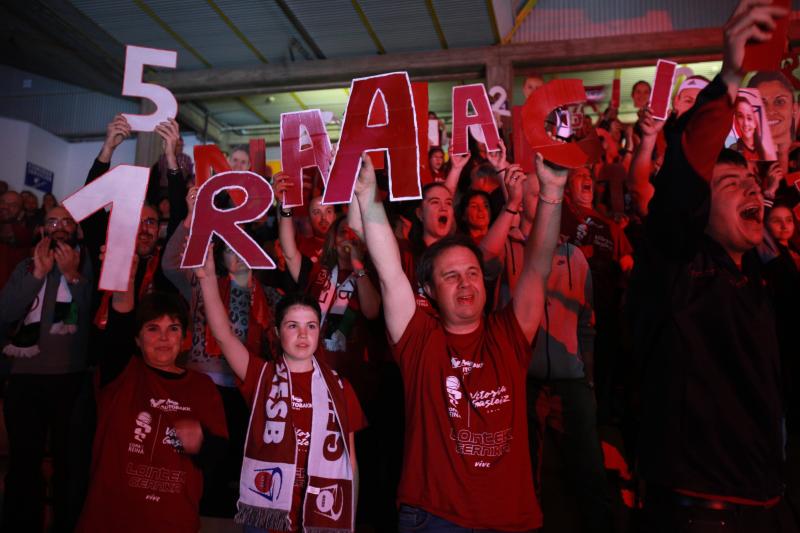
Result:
pixel 136 57
pixel 124 187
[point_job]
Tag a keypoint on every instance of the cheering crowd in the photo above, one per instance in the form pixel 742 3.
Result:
pixel 403 364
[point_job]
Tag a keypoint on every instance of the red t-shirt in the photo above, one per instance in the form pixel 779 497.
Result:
pixel 302 417
pixel 140 480
pixel 466 453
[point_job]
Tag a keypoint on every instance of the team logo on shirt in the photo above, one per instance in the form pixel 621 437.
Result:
pixel 453 387
pixel 298 403
pixel 143 428
pixel 303 437
pixel 171 439
pixel 490 399
pixel 465 365
pixel 330 501
pixel 168 405
pixel 267 483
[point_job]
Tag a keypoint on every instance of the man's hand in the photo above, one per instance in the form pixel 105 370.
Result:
pixel 751 21
pixel 68 260
pixel 43 259
pixel 170 134
pixel 551 179
pixel 773 180
pixel 117 131
pixel 190 434
pixel 498 158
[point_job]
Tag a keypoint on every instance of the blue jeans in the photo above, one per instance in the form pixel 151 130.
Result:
pixel 413 519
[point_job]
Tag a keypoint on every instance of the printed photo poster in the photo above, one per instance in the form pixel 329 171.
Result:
pixel 750 133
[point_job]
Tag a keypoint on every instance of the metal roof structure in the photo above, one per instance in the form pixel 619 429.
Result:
pixel 81 42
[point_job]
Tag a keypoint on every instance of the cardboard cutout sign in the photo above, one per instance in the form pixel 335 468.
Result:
pixel 123 187
pixel 662 88
pixel 208 160
pixel 615 94
pixel 398 136
pixel 295 155
pixel 433 132
pixel 548 97
pixel 523 154
pixel 136 57
pixel 750 133
pixel 462 97
pixel 208 220
pixel 768 55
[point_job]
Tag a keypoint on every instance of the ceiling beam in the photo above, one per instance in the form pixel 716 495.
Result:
pixel 299 28
pixel 601 52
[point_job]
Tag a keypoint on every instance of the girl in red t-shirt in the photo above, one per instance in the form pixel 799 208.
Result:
pixel 299 468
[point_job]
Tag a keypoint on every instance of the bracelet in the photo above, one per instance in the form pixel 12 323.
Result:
pixel 361 273
pixel 285 213
pixel 512 211
pixel 550 201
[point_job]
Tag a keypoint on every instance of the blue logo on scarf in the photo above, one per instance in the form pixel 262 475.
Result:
pixel 268 482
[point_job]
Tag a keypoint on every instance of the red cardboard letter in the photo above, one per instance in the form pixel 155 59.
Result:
pixel 294 157
pixel 258 156
pixel 662 88
pixel 207 219
pixel 136 57
pixel 551 95
pixel 523 154
pixel 399 137
pixel 462 96
pixel 124 187
pixel 208 158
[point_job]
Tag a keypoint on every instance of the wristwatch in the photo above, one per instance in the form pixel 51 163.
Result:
pixel 285 213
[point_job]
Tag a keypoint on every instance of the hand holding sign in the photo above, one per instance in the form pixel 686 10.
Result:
pixel 170 134
pixel 753 21
pixel 136 57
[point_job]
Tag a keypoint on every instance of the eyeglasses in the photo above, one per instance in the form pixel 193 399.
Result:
pixel 54 223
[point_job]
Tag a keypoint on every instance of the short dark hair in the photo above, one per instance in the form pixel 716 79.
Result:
pixel 425 264
pixel 154 305
pixel 240 148
pixel 765 76
pixel 461 211
pixel 292 299
pixel 731 157
pixel 433 150
pixel 640 82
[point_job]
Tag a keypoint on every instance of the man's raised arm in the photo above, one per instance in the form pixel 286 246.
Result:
pixel 398 296
pixel 529 294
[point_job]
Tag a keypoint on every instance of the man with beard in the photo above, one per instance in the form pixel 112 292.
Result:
pixel 704 324
pixel 15 236
pixel 321 217
pixel 48 298
pixel 149 274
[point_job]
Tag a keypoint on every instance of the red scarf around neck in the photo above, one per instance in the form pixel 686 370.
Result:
pixel 101 317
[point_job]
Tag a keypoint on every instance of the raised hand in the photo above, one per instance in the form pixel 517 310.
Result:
pixel 751 21
pixel 170 134
pixel 191 200
pixel 457 162
pixel 773 180
pixel 43 259
pixel 498 158
pixel 515 185
pixel 366 175
pixel 552 179
pixel 209 268
pixel 281 184
pixel 649 124
pixel 117 131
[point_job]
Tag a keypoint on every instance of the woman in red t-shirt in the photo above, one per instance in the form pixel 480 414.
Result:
pixel 299 396
pixel 157 424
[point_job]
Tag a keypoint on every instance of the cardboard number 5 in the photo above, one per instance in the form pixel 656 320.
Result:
pixel 136 57
pixel 124 188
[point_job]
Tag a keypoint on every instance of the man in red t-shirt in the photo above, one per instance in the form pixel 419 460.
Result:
pixel 466 462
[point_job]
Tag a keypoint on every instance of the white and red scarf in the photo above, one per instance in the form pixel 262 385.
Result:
pixel 270 456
